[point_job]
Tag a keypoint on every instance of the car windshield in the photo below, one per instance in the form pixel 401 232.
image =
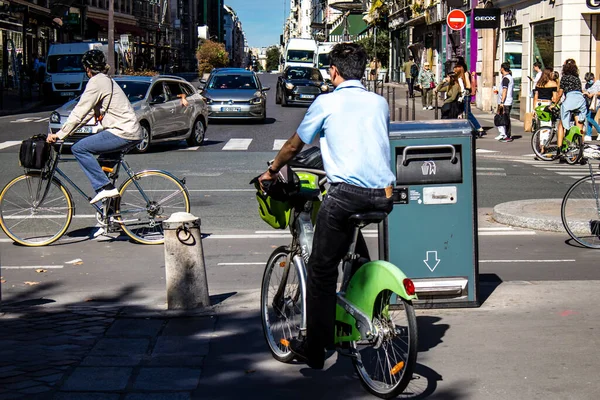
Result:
pixel 304 56
pixel 312 74
pixel 233 81
pixel 324 60
pixel 135 91
pixel 65 63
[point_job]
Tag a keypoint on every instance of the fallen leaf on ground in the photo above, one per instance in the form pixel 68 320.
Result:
pixel 31 283
pixel 78 263
pixel 40 270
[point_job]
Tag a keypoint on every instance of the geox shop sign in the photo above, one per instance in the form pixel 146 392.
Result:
pixel 487 18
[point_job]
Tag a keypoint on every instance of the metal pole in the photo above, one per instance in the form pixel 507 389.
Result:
pixel 388 96
pixel 399 113
pixel 436 105
pixel 394 103
pixel 407 105
pixel 111 36
pixel 413 108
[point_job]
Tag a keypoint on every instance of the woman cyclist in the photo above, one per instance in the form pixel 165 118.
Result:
pixel 570 86
pixel 545 90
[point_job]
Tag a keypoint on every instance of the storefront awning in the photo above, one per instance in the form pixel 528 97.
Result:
pixel 120 28
pixel 356 26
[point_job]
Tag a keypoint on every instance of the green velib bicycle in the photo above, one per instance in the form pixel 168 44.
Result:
pixel 376 325
pixel 544 139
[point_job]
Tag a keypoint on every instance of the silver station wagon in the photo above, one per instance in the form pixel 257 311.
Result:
pixel 157 103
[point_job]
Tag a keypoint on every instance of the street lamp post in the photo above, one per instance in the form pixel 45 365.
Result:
pixel 111 36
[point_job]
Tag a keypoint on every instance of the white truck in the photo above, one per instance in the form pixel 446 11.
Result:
pixel 322 63
pixel 65 77
pixel 300 53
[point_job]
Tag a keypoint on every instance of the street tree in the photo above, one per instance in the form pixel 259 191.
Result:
pixel 273 56
pixel 377 45
pixel 211 55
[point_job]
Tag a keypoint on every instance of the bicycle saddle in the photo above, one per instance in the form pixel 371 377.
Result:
pixel 372 217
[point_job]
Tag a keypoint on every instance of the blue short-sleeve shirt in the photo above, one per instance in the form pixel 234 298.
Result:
pixel 352 124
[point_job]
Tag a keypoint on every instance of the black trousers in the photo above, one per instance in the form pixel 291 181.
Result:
pixel 411 86
pixel 507 111
pixel 333 235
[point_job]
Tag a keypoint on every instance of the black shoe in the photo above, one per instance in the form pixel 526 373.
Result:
pixel 298 348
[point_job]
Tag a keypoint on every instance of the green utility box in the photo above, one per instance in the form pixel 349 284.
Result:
pixel 431 233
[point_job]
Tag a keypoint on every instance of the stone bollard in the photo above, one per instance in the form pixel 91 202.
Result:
pixel 187 287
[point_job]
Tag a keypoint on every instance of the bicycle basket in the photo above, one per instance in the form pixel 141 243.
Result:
pixel 274 207
pixel 34 152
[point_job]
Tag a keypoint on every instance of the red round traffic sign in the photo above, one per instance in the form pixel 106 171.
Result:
pixel 456 20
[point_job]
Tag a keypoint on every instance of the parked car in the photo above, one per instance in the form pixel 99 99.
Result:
pixel 299 85
pixel 235 93
pixel 158 108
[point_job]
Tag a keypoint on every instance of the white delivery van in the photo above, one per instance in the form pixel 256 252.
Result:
pixel 323 51
pixel 65 76
pixel 300 53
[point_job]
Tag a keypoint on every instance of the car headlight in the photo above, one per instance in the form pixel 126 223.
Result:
pixel 256 100
pixel 290 86
pixel 208 100
pixel 324 88
pixel 55 117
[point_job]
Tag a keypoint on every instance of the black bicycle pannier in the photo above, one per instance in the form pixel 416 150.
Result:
pixel 34 152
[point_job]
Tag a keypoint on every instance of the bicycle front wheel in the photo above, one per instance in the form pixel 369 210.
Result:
pixel 31 216
pixel 281 303
pixel 580 211
pixel 543 144
pixel 386 363
pixel 147 199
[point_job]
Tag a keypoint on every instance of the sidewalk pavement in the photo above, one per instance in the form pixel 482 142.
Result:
pixel 12 104
pixel 528 340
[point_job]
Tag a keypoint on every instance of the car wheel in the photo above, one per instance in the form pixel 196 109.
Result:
pixel 278 96
pixel 198 132
pixel 143 146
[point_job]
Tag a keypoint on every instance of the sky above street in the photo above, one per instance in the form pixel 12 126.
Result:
pixel 262 20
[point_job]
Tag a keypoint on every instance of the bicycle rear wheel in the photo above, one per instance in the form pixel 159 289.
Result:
pixel 543 144
pixel 30 218
pixel 580 211
pixel 281 306
pixel 147 199
pixel 385 365
pixel 574 151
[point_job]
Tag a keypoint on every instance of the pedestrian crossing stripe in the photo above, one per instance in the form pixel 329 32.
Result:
pixel 29 119
pixel 237 144
pixel 9 143
pixel 278 144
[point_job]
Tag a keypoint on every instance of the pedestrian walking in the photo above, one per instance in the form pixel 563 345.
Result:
pixel 592 91
pixel 464 80
pixel 426 82
pixel 505 99
pixel 411 72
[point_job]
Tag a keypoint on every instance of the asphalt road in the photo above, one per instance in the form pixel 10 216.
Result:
pixel 237 244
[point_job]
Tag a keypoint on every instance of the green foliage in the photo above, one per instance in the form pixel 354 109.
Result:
pixel 273 56
pixel 211 55
pixel 381 50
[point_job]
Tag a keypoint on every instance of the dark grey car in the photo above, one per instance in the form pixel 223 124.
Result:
pixel 235 93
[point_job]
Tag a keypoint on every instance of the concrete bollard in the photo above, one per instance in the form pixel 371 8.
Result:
pixel 187 287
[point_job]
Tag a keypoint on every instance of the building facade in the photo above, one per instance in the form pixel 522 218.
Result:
pixel 234 38
pixel 299 21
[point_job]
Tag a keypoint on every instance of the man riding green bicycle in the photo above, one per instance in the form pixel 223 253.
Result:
pixel 352 125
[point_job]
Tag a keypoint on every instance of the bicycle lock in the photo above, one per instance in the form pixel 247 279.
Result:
pixel 187 287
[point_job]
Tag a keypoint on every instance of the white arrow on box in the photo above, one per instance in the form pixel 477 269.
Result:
pixel 431 256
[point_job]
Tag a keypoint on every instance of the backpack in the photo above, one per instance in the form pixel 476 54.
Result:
pixel 414 70
pixel 34 152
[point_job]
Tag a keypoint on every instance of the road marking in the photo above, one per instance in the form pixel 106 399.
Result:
pixel 9 143
pixel 189 148
pixel 237 144
pixel 241 263
pixel 42 119
pixel 489 169
pixel 278 144
pixel 83 216
pixel 22 120
pixel 32 267
pixel 526 261
pixel 490 173
pixel 485 151
pixel 507 233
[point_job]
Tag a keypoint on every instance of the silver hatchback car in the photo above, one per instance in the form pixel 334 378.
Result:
pixel 157 104
pixel 235 93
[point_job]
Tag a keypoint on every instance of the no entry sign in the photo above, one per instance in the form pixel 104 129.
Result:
pixel 456 20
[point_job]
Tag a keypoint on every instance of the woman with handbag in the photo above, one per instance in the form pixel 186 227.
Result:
pixel 426 81
pixel 464 80
pixel 451 107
